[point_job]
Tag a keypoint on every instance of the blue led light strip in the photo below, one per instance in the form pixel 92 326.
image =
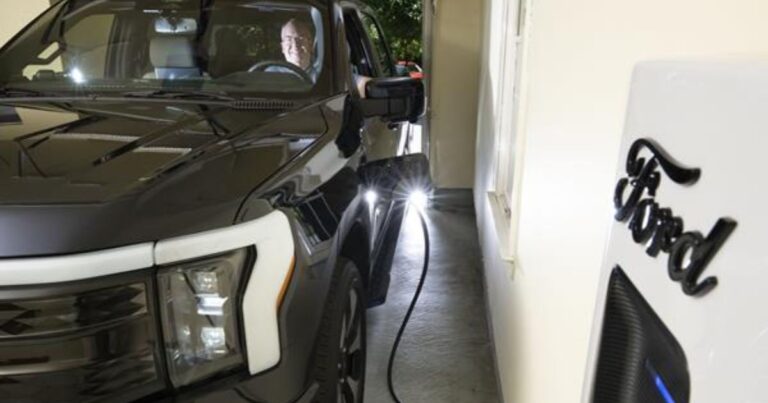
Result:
pixel 660 385
pixel 663 389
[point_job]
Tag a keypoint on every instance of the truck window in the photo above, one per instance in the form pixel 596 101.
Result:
pixel 86 52
pixel 379 45
pixel 358 53
pixel 237 47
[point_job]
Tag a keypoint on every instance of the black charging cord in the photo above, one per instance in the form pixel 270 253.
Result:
pixel 410 308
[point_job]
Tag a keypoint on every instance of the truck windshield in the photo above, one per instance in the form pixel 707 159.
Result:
pixel 236 47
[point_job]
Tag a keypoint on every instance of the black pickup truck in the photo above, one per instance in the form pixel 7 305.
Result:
pixel 183 210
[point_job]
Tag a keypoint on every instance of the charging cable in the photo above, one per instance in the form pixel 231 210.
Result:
pixel 410 308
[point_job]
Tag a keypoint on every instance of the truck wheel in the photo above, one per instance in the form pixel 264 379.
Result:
pixel 340 357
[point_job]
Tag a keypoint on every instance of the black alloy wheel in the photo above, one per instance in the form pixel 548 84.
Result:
pixel 341 354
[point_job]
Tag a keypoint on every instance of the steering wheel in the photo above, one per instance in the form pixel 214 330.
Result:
pixel 292 68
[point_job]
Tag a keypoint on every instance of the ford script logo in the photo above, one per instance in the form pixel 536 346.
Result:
pixel 659 228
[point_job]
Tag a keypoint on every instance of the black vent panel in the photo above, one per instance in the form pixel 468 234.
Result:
pixel 71 312
pixel 639 361
pixel 79 342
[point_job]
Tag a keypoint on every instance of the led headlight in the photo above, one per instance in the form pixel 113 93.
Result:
pixel 198 304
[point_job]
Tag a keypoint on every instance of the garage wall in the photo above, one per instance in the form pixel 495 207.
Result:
pixel 456 44
pixel 17 14
pixel 579 61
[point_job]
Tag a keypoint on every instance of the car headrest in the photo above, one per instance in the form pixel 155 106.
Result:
pixel 171 51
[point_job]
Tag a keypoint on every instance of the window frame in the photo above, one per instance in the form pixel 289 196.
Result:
pixel 509 135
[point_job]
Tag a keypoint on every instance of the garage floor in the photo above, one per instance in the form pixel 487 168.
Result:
pixel 446 353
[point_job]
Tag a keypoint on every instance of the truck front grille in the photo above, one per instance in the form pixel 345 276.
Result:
pixel 79 342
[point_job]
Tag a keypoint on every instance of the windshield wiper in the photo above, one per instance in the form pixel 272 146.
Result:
pixel 180 94
pixel 189 97
pixel 14 94
pixel 11 92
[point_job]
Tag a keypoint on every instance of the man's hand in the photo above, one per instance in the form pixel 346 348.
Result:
pixel 361 81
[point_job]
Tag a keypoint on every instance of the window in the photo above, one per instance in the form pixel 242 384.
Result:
pixel 87 44
pixel 381 52
pixel 239 47
pixel 48 62
pixel 508 68
pixel 510 101
pixel 361 63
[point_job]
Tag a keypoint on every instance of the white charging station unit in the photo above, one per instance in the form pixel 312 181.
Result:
pixel 690 237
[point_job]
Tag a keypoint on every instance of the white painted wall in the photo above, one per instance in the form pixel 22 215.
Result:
pixel 578 70
pixel 456 47
pixel 15 15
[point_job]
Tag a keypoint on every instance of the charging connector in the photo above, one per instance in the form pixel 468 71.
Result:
pixel 402 178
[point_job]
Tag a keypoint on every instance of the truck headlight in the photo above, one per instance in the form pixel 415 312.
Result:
pixel 199 312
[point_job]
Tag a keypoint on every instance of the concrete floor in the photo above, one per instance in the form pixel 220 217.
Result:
pixel 445 354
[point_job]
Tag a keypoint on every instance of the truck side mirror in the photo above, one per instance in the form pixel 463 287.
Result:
pixel 395 99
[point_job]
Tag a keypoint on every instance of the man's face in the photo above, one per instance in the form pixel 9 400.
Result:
pixel 297 44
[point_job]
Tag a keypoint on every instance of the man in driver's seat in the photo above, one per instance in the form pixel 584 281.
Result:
pixel 298 44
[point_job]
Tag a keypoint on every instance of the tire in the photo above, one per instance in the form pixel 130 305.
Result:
pixel 340 356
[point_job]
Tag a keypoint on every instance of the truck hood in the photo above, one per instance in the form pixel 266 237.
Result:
pixel 100 153
pixel 97 175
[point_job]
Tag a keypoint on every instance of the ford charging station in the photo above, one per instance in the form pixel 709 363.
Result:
pixel 681 313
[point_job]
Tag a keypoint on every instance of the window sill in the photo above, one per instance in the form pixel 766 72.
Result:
pixel 502 224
